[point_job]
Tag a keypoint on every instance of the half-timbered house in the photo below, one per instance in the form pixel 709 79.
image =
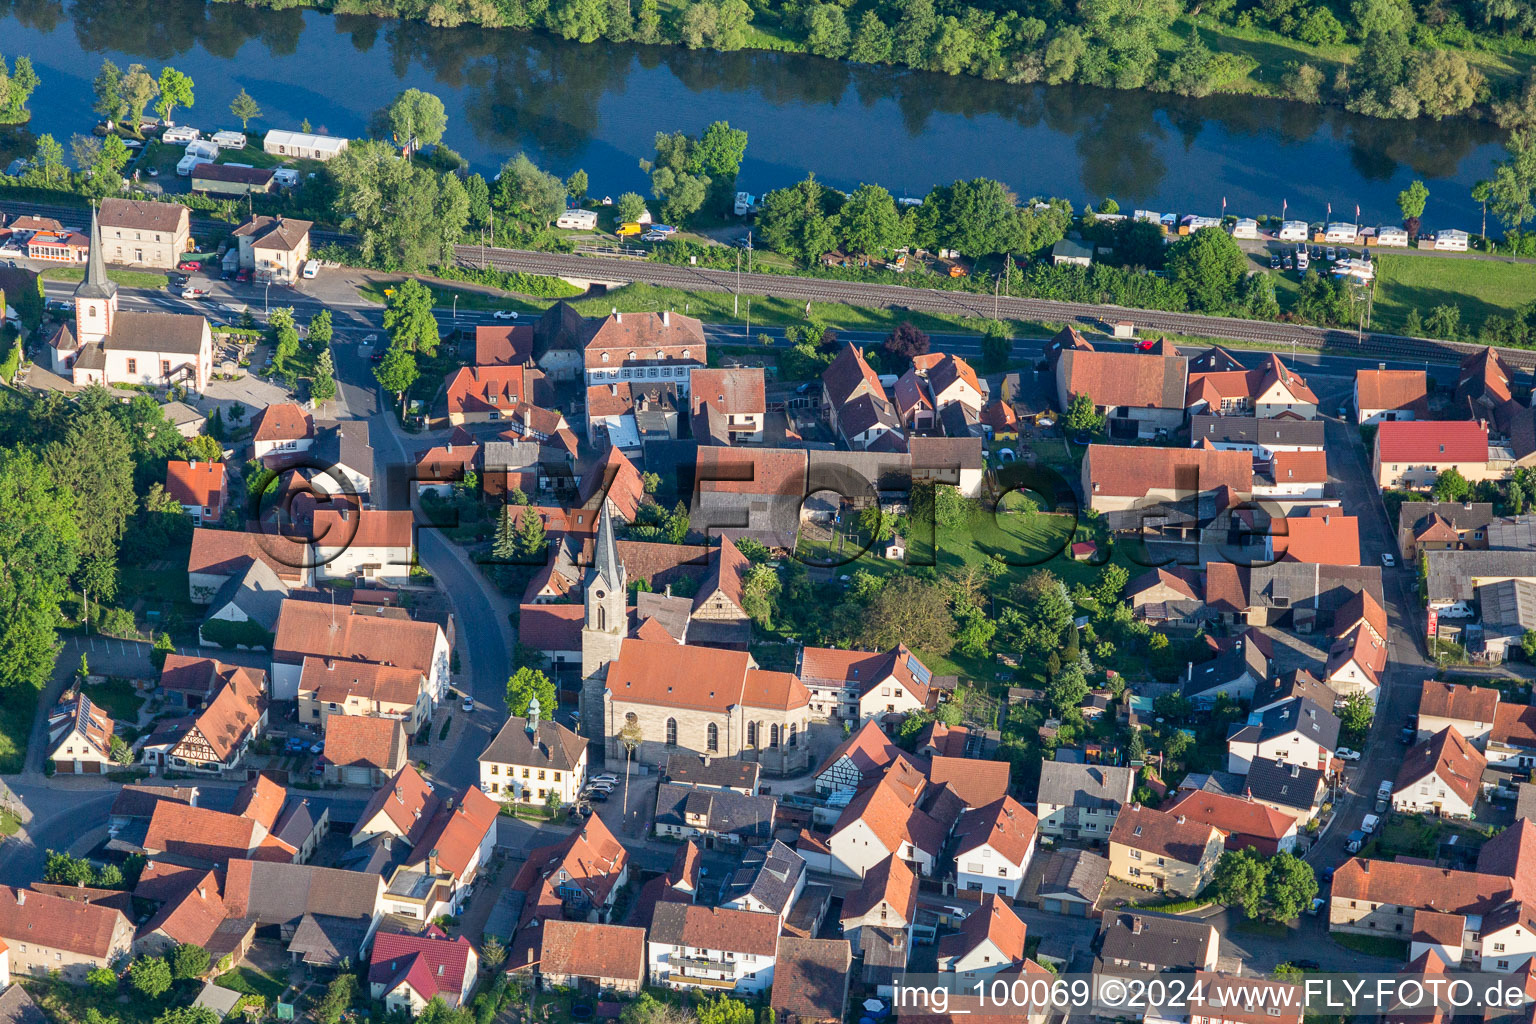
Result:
pixel 215 738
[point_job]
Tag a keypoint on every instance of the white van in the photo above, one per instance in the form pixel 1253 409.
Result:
pixel 311 268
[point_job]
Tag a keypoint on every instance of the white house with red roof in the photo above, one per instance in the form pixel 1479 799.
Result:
pixel 859 759
pixel 201 488
pixel 1244 822
pixel 859 685
pixel 854 401
pixel 994 846
pixel 406 972
pixel 990 940
pixel 1266 391
pixel 883 821
pixel 1442 776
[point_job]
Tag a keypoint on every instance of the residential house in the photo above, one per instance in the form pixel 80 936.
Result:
pixel 1137 943
pixel 664 346
pixel 770 880
pixel 587 956
pixel 810 981
pixel 1261 438
pixel 886 903
pixel 361 750
pixel 990 941
pixel 854 401
pixel 1082 801
pixel 1470 710
pixel 317 629
pixel 282 429
pixel 274 248
pixel 712 948
pixel 80 737
pixel 331 686
pixel 206 838
pixel 533 760
pixel 578 877
pixel 1267 391
pixel 1382 395
pixel 1437 525
pixel 1235 673
pixel 858 686
pixel 1508 938
pixel 1244 823
pixel 201 489
pixel 1296 683
pixel 883 821
pixel 487 394
pixel 1355 663
pixel 1169 595
pixel 1410 455
pixel 215 738
pixel 324 915
pixel 934 382
pixel 716 817
pixel 46 934
pixel 362 543
pixel 706 772
pixel 1453 578
pixel 1320 536
pixel 957 461
pixel 1294 595
pixel 1164 850
pixel 1297 731
pixel 857 761
pixel 140 233
pixel 1166 494
pixel 1070 882
pixel 755 492
pixel 994 847
pixel 626 415
pixel 1443 776
pixel 1288 788
pixel 1228 999
pixel 1512 741
pixel 243 611
pixel 727 406
pixel 1139 394
pixel 406 972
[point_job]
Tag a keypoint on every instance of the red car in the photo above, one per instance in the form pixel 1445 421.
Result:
pixel 1145 345
pixel 189 267
pixel 243 277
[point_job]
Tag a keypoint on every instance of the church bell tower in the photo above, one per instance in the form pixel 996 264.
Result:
pixel 96 296
pixel 606 624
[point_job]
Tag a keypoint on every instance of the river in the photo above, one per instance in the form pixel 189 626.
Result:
pixel 598 107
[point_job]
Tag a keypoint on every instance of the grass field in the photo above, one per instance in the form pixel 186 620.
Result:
pixel 118 697
pixel 124 278
pixel 1479 288
pixel 18 706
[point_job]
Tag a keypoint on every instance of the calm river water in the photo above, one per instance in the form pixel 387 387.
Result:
pixel 598 107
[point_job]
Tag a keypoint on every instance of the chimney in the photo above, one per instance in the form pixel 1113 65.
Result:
pixel 533 716
pixel 389 841
pixel 666 318
pixel 400 793
pixel 1136 926
pixel 450 447
pixel 432 861
pixel 202 892
pixel 1180 819
pixel 21 897
pixel 705 759
pixel 618 317
pixel 1190 675
pixel 192 463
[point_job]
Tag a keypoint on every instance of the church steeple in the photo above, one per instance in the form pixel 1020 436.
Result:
pixel 96 296
pixel 607 622
pixel 608 570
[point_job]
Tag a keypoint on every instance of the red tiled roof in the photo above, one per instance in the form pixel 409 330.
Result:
pixel 1234 815
pixel 357 740
pixel 1005 825
pixel 670 675
pixel 315 628
pixel 284 421
pixel 431 966
pixel 647 332
pixel 230 552
pixel 889 814
pixel 457 831
pixel 551 627
pixel 477 389
pixel 1134 471
pixel 1163 833
pixel 596 951
pixel 976 782
pixel 1432 442
pixel 868 747
pixel 1393 390
pixel 334 680
pixel 199 832
pixel 1455 701
pixel 503 346
pixel 1515 724
pixel 1300 467
pixel 1360 606
pixel 993 920
pixel 1409 884
pixel 261 800
pixel 84 928
pixel 617 478
pixel 890 880
pixel 1130 379
pixel 780 472
pixel 362 528
pixel 406 800
pixel 1362 648
pixel 1332 539
pixel 739 390
pixel 1449 757
pixel 195 483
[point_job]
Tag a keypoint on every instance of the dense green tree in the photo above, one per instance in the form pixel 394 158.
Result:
pixel 1208 264
pixel 150 976
pixel 175 91
pixel 245 107
pixel 871 41
pixel 337 999
pixel 1355 716
pixel 1443 82
pixel 531 196
pixel 393 206
pixel 285 335
pixel 826 31
pixel 408 317
pixel 16 87
pixel 631 207
pixel 1511 192
pixel 869 221
pixel 181 1015
pixel 908 611
pixel 48 158
pixel 108 89
pixel 138 88
pixel 398 371
pixel 1240 881
pixel 524 685
pixel 188 962
pixel 1450 485
pixel 323 387
pixel 795 221
pixel 582 20
pixel 1290 886
pixel 64 869
pixel 415 119
pixel 1082 417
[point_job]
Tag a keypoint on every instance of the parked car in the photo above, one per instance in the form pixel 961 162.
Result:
pixel 1345 754
pixel 1145 344
pixel 189 266
pixel 504 314
pixel 598 797
pixel 469 704
pixel 1407 735
pixel 243 277
pixel 193 293
pixel 1387 559
pixel 1310 965
pixel 311 268
pixel 607 777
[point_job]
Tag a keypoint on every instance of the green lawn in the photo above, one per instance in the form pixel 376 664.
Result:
pixel 1479 288
pixel 18 706
pixel 1372 945
pixel 118 697
pixel 1414 836
pixel 251 981
pixel 125 278
pixel 444 298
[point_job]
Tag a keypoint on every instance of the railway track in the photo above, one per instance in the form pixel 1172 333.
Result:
pixel 1366 345
pixel 1370 344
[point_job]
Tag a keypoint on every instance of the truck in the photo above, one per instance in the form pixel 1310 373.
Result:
pixel 1368 825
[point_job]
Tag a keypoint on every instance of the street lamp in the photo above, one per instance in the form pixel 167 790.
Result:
pixel 265 292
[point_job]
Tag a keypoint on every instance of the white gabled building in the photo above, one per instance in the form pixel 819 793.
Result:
pixel 712 948
pixel 990 940
pixel 994 848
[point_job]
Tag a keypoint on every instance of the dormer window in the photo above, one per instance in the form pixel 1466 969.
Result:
pixel 631 353
pixel 605 357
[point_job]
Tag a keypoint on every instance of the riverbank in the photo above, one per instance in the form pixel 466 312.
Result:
pixel 1196 56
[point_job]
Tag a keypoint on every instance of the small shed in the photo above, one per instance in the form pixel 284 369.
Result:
pixel 895 549
pixel 1124 329
pixel 1071 251
pixel 222 1001
pixel 1084 550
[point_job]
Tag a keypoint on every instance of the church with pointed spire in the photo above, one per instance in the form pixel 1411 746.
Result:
pixel 109 345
